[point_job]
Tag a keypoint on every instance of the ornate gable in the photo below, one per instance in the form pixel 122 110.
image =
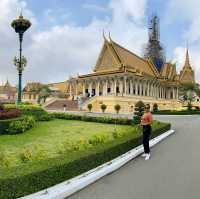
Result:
pixel 130 59
pixel 168 71
pixel 108 59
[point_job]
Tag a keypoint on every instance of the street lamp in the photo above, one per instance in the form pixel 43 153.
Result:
pixel 20 25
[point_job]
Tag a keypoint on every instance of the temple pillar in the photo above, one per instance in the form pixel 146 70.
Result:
pixel 90 89
pixel 121 87
pixel 140 89
pixel 136 87
pixel 177 93
pixel 148 88
pixel 115 87
pixel 97 88
pixel 131 86
pixel 125 86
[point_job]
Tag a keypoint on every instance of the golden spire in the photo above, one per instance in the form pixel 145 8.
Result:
pixel 187 59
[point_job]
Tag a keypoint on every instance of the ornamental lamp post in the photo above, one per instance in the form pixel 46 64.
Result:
pixel 20 26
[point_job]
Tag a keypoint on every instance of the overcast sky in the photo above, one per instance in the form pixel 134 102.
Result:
pixel 66 36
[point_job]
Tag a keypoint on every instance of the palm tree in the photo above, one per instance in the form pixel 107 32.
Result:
pixel 187 92
pixel 43 93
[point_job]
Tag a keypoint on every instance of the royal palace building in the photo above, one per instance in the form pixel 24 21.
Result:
pixel 122 77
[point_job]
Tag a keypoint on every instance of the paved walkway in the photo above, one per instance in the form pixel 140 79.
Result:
pixel 173 172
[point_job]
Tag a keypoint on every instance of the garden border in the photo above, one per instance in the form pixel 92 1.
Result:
pixel 73 185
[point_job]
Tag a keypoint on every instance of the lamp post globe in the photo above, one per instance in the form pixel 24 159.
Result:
pixel 20 25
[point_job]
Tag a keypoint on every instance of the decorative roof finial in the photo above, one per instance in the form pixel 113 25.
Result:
pixel 110 36
pixel 21 15
pixel 104 35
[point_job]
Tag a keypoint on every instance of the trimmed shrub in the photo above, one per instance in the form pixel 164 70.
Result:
pixel 89 106
pixel 155 107
pixel 16 127
pixel 117 108
pixel 4 125
pixel 109 120
pixel 33 177
pixel 103 108
pixel 139 110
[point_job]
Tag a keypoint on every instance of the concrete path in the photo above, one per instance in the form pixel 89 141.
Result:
pixel 173 172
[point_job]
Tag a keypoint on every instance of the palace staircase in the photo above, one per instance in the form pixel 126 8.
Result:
pixel 59 104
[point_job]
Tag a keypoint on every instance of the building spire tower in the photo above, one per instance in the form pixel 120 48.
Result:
pixel 187 73
pixel 154 50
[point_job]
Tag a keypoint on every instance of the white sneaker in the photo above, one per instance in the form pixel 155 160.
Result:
pixel 147 156
pixel 144 155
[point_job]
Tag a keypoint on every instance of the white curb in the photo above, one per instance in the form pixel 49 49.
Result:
pixel 67 188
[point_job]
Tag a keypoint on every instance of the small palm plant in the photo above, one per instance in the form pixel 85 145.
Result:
pixel 103 107
pixel 89 106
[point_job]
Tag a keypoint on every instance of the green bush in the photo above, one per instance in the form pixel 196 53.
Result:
pixel 35 176
pixel 5 160
pixel 103 108
pixel 31 153
pixel 20 126
pixel 117 134
pixel 89 106
pixel 117 108
pixel 4 125
pixel 139 110
pixel 98 139
pixel 155 107
pixel 136 119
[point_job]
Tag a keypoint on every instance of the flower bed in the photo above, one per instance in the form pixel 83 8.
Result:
pixel 31 110
pixel 9 114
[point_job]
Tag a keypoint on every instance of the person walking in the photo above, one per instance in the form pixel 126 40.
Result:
pixel 146 121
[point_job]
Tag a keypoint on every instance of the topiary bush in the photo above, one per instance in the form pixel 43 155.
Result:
pixel 139 110
pixel 117 108
pixel 89 106
pixel 155 107
pixel 103 108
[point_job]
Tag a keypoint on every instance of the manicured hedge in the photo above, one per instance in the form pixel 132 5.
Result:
pixel 32 110
pixel 4 125
pixel 32 177
pixel 109 120
pixel 16 126
pixel 174 112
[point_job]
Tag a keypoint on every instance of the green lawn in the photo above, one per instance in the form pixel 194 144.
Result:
pixel 49 138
